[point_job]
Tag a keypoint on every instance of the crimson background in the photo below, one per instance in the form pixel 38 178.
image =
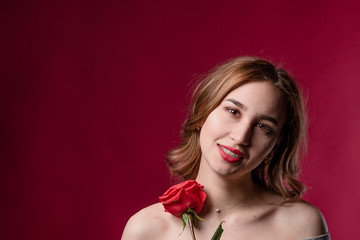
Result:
pixel 93 95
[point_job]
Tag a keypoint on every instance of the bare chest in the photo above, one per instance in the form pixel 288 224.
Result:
pixel 246 230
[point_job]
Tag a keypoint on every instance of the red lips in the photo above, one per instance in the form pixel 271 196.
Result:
pixel 230 154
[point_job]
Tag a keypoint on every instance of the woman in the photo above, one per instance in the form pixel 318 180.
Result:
pixel 242 140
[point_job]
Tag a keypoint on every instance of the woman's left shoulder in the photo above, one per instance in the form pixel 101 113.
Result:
pixel 303 219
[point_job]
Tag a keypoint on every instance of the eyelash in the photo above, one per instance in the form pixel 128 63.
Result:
pixel 266 128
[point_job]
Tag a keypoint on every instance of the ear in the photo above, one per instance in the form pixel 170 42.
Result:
pixel 200 124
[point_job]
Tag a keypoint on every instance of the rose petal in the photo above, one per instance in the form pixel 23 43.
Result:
pixel 178 198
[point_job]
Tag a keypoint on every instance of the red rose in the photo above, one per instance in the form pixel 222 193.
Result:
pixel 179 198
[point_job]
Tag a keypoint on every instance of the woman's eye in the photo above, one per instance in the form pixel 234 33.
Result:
pixel 233 112
pixel 264 127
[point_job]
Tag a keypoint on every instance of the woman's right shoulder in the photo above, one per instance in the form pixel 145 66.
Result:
pixel 147 223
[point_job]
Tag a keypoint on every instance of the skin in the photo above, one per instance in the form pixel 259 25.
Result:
pixel 249 119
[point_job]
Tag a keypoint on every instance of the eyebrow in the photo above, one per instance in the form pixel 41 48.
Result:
pixel 242 106
pixel 237 103
pixel 270 119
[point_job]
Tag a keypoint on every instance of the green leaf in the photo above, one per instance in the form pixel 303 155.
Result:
pixel 218 232
pixel 194 213
pixel 185 218
pixel 198 217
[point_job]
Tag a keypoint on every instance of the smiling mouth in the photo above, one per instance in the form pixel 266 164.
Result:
pixel 230 153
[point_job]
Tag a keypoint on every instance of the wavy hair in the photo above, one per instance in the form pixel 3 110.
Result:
pixel 278 174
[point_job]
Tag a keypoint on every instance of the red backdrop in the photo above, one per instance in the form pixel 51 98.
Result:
pixel 93 95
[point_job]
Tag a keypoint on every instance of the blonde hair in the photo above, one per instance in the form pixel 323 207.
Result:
pixel 280 174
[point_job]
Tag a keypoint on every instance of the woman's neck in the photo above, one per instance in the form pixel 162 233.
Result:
pixel 225 194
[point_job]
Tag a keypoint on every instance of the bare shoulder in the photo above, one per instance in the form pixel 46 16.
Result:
pixel 302 220
pixel 146 224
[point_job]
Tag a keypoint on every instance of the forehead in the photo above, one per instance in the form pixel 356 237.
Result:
pixel 260 97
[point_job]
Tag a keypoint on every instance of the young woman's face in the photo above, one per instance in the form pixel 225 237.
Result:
pixel 242 131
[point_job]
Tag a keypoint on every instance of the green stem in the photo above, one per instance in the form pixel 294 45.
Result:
pixel 191 225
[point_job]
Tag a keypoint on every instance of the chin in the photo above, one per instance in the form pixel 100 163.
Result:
pixel 228 172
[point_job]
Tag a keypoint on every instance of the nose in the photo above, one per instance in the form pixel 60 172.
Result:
pixel 241 134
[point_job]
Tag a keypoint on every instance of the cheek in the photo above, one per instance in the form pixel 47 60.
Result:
pixel 211 130
pixel 207 133
pixel 214 126
pixel 272 145
pixel 267 145
pixel 269 148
